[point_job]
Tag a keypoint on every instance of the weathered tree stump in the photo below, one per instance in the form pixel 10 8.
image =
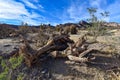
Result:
pixel 61 46
pixel 58 43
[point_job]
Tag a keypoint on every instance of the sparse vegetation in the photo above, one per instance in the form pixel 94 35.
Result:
pixel 24 29
pixel 73 29
pixel 5 31
pixel 100 58
pixel 70 29
pixel 8 66
pixel 41 39
pixel 20 76
pixel 96 29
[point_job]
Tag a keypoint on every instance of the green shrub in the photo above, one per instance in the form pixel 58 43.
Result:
pixel 96 29
pixel 8 66
pixel 15 61
pixel 3 75
pixel 20 76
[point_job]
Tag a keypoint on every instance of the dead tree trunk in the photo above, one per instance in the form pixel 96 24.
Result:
pixel 58 43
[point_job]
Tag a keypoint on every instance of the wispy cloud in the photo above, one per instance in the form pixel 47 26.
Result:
pixel 10 9
pixel 75 12
pixel 78 10
pixel 31 5
pixel 37 11
pixel 100 9
pixel 97 3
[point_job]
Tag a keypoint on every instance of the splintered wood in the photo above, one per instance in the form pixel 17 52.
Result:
pixel 59 46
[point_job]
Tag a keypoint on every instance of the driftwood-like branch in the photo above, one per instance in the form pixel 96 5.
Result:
pixel 58 43
pixel 74 52
pixel 85 52
pixel 77 59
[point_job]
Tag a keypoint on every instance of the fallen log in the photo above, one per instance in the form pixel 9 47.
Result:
pixel 74 52
pixel 58 43
pixel 77 52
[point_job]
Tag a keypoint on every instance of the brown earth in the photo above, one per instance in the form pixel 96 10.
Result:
pixel 104 67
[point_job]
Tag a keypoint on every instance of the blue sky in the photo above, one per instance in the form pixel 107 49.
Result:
pixel 35 12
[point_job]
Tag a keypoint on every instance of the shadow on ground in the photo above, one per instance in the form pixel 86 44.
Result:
pixel 63 69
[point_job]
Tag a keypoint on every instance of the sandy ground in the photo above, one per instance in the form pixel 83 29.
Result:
pixel 8 45
pixel 113 39
pixel 63 69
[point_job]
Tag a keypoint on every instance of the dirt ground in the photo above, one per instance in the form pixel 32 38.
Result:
pixel 104 67
pixel 63 69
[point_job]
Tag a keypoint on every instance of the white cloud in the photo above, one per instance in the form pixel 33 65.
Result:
pixel 78 10
pixel 97 3
pixel 10 9
pixel 75 12
pixel 31 5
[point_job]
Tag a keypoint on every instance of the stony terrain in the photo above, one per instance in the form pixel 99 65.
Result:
pixel 63 69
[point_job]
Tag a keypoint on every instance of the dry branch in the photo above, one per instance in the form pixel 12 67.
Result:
pixel 55 45
pixel 58 43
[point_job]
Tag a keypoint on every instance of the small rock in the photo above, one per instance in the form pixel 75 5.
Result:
pixel 34 72
pixel 43 71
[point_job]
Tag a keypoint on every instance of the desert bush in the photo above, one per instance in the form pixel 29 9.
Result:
pixel 5 30
pixel 73 29
pixel 20 76
pixel 41 38
pixel 42 27
pixel 57 28
pixel 24 29
pixel 3 75
pixel 8 66
pixel 70 29
pixel 96 28
pixel 15 61
pixel 66 29
pixel 34 30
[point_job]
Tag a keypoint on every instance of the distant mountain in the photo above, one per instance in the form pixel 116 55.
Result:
pixel 9 25
pixel 81 24
pixel 15 26
pixel 111 24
